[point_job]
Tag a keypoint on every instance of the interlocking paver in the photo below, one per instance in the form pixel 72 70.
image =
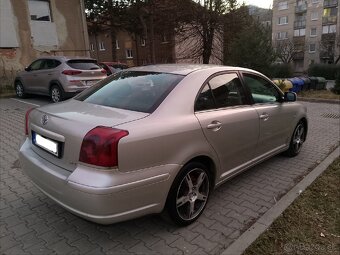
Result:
pixel 31 223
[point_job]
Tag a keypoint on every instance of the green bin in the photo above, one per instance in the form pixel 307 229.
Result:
pixel 321 83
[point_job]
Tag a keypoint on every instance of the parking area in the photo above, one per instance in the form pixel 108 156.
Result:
pixel 33 224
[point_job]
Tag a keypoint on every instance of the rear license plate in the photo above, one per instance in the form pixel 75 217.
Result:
pixel 46 144
pixel 90 83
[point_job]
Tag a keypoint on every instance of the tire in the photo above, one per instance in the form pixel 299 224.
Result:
pixel 189 194
pixel 57 94
pixel 297 140
pixel 19 89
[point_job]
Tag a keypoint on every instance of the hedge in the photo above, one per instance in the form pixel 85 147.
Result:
pixel 328 71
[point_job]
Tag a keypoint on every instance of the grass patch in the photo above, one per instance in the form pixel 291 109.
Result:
pixel 310 225
pixel 323 94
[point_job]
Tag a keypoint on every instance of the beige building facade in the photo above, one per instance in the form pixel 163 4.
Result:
pixel 312 28
pixel 33 28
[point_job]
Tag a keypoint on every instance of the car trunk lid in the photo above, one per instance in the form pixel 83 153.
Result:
pixel 66 124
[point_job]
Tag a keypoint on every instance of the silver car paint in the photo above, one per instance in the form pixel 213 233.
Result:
pixel 157 146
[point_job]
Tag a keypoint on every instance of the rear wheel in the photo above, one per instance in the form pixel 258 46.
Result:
pixel 297 140
pixel 19 90
pixel 56 94
pixel 189 194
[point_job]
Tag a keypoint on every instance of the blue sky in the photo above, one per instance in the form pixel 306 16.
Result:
pixel 260 3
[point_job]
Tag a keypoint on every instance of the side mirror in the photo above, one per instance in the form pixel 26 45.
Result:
pixel 27 69
pixel 290 96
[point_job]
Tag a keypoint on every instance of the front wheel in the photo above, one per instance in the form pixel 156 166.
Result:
pixel 189 194
pixel 56 94
pixel 297 140
pixel 19 90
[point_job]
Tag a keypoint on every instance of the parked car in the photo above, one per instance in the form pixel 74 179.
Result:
pixel 158 137
pixel 58 76
pixel 113 67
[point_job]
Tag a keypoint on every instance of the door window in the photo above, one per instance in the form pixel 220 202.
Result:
pixel 36 65
pixel 261 90
pixel 221 91
pixel 50 63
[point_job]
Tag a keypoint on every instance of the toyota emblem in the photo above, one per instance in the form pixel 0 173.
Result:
pixel 44 119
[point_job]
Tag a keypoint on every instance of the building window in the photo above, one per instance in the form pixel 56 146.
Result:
pixel 312 48
pixel 329 12
pixel 40 10
pixel 314 16
pixel 313 32
pixel 283 20
pixel 117 45
pixel 129 53
pixel 283 5
pixel 91 47
pixel 142 41
pixel 300 32
pixel 101 46
pixel 331 29
pixel 315 1
pixel 282 35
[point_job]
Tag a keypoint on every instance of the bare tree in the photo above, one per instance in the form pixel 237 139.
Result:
pixel 286 50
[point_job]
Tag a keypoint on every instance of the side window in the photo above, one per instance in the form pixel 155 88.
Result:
pixel 205 100
pixel 50 63
pixel 262 90
pixel 36 65
pixel 227 90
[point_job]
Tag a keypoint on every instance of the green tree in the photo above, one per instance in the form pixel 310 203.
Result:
pixel 253 48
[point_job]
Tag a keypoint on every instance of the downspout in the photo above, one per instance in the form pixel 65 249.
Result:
pixel 85 32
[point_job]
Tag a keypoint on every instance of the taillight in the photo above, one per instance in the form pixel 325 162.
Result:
pixel 71 72
pixel 100 146
pixel 26 120
pixel 103 71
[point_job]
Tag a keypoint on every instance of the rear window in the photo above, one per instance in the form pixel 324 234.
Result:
pixel 83 64
pixel 132 90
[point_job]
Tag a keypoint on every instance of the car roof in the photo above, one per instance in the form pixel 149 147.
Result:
pixel 65 58
pixel 185 69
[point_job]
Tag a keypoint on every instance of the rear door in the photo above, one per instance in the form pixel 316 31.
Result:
pixel 274 115
pixel 46 74
pixel 229 123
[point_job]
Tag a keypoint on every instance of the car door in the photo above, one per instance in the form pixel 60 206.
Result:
pixel 30 78
pixel 45 75
pixel 274 115
pixel 229 123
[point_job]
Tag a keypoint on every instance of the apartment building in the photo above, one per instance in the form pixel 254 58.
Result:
pixel 309 29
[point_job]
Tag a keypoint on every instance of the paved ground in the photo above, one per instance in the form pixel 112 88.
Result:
pixel 30 223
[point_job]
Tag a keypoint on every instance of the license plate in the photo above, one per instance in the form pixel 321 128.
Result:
pixel 90 83
pixel 46 144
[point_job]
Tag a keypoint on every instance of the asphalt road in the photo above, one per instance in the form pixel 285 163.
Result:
pixel 30 223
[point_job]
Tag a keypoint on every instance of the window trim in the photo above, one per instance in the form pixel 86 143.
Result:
pixel 101 46
pixel 127 55
pixel 315 18
pixel 309 50
pixel 310 32
pixel 282 24
pixel 281 9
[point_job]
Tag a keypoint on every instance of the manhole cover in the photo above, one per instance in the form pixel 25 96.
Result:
pixel 331 115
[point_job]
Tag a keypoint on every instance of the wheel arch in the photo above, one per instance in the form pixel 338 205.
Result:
pixel 305 122
pixel 55 83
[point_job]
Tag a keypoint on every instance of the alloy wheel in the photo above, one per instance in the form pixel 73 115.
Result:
pixel 298 138
pixel 19 90
pixel 192 194
pixel 55 94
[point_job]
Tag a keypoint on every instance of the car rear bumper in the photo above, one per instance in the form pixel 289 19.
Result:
pixel 102 196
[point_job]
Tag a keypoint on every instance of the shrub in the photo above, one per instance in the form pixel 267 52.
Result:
pixel 328 71
pixel 336 89
pixel 280 71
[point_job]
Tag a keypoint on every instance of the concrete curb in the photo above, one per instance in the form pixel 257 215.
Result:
pixel 264 222
pixel 319 100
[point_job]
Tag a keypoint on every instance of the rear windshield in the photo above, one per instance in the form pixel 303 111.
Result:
pixel 132 90
pixel 83 64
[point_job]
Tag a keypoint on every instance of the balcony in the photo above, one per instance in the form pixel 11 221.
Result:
pixel 301 8
pixel 330 3
pixel 299 24
pixel 329 20
pixel 328 37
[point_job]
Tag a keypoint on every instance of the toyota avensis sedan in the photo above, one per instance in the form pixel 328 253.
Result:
pixel 58 77
pixel 157 138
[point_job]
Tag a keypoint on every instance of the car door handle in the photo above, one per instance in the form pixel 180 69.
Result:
pixel 215 125
pixel 264 116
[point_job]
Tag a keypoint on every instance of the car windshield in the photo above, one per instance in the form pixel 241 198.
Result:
pixel 132 90
pixel 83 64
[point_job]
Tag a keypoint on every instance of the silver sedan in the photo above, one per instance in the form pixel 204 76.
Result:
pixel 158 138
